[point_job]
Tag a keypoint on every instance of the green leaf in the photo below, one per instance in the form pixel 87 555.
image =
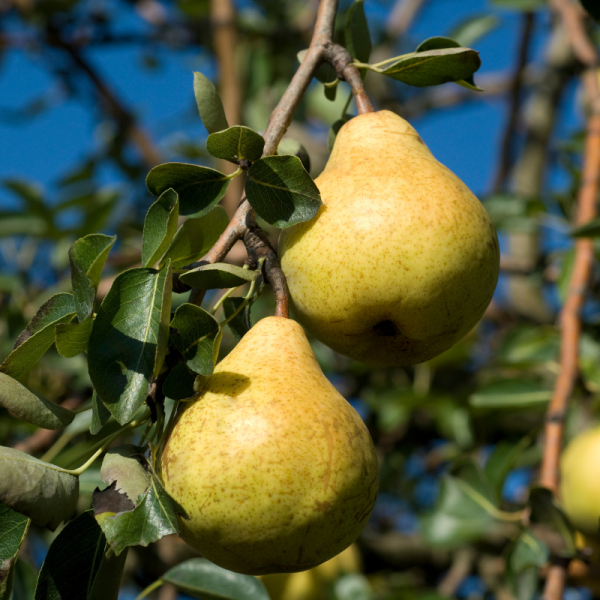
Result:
pixel 218 276
pixel 240 325
pixel 197 333
pixel 358 38
pixel 593 9
pixel 13 528
pixel 38 336
pixel 179 384
pixel 125 466
pixel 525 5
pixel 17 223
pixel 473 29
pixel 37 489
pixel 293 147
pixel 154 517
pixel 330 94
pixel 199 188
pixel 510 393
pixel 463 511
pixel 526 346
pixel 545 510
pixel 281 191
pixel 73 567
pixel 501 461
pixel 434 67
pixel 203 579
pixel 129 338
pixel 209 104
pixel 87 257
pixel 591 229
pixel 160 226
pixel 72 338
pixel 27 406
pixel 235 144
pixel 100 414
pixel 196 237
pixel 524 558
pixel 24 582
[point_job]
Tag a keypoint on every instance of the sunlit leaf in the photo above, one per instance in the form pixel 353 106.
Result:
pixel 209 104
pixel 235 144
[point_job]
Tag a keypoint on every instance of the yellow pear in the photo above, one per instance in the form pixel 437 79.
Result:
pixel 401 261
pixel 276 471
pixel 580 483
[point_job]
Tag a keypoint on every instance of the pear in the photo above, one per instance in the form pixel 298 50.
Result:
pixel 401 261
pixel 276 471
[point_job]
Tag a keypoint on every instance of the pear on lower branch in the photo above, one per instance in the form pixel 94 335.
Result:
pixel 402 259
pixel 276 471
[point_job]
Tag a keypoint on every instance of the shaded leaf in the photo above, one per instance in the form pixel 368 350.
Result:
pixel 501 461
pixel 125 466
pixel 240 325
pixel 197 333
pixel 87 257
pixel 236 143
pixel 25 579
pixel 13 528
pixel 107 582
pixel 591 229
pixel 358 38
pixel 27 406
pixel 160 226
pixel 510 393
pixel 281 191
pixel 524 558
pixel 434 67
pixel 474 28
pixel 154 517
pixel 545 510
pixel 196 237
pixel 38 336
pixel 100 414
pixel 72 338
pixel 73 562
pixel 37 489
pixel 129 338
pixel 218 276
pixel 199 188
pixel 293 147
pixel 204 579
pixel 179 384
pixel 209 104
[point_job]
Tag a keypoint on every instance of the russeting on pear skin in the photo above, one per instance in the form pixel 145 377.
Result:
pixel 276 471
pixel 401 261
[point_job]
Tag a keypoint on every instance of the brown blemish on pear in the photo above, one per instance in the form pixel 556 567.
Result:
pixel 402 260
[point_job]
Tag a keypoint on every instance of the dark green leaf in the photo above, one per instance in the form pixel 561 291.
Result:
pixel 358 38
pixel 100 414
pixel 209 104
pixel 38 336
pixel 510 393
pixel 434 67
pixel 330 94
pixel 591 229
pixel 593 8
pixel 27 406
pixel 129 338
pixel 73 562
pixel 218 276
pixel 197 333
pixel 72 338
pixel 196 237
pixel 13 527
pixel 154 517
pixel 107 582
pixel 87 257
pixel 281 191
pixel 179 384
pixel 240 324
pixel 545 510
pixel 199 188
pixel 203 579
pixel 160 226
pixel 236 143
pixel 289 145
pixel 37 489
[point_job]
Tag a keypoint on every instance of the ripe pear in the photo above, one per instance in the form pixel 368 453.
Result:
pixel 276 471
pixel 401 261
pixel 580 483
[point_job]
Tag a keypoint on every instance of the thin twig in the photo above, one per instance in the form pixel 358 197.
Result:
pixel 574 20
pixel 402 16
pixel 515 102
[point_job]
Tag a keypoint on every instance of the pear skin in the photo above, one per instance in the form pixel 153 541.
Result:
pixel 276 471
pixel 401 261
